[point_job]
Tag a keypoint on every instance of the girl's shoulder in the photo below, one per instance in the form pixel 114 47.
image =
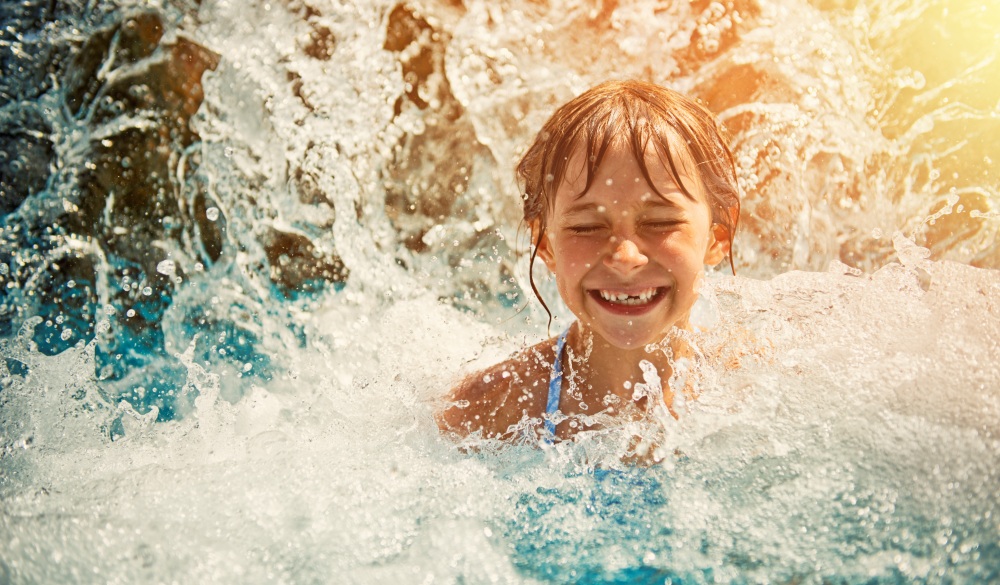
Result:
pixel 495 400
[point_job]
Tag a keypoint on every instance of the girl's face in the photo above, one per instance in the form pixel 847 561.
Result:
pixel 627 260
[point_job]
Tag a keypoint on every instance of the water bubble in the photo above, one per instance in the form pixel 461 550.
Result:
pixel 4 269
pixel 130 313
pixel 908 252
pixel 71 284
pixel 166 268
pixel 66 334
pixel 212 213
pixel 147 291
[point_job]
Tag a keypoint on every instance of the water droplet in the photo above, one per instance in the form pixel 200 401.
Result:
pixel 147 291
pixel 167 268
pixel 212 213
pixel 66 334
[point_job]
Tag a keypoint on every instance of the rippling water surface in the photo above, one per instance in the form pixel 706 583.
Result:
pixel 247 246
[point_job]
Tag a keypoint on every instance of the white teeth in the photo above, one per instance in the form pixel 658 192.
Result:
pixel 625 299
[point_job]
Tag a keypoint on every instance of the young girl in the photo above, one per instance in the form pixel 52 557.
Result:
pixel 630 191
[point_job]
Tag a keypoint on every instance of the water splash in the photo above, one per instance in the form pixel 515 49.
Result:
pixel 281 230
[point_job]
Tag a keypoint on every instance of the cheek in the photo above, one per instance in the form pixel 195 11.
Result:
pixel 687 243
pixel 680 247
pixel 580 253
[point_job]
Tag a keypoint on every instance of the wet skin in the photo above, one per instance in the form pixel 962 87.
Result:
pixel 627 262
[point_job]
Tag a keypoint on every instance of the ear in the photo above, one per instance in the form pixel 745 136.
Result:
pixel 544 250
pixel 718 244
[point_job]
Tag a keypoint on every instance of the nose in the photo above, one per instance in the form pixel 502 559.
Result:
pixel 626 257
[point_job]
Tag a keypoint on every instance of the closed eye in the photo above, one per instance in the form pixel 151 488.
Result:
pixel 663 224
pixel 585 228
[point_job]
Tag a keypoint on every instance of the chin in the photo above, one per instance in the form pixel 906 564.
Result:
pixel 632 340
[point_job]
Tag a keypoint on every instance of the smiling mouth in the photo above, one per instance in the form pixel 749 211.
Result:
pixel 629 300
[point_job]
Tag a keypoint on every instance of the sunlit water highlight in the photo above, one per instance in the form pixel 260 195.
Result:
pixel 230 318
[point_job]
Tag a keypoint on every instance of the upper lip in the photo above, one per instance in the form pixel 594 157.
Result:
pixel 630 290
pixel 630 294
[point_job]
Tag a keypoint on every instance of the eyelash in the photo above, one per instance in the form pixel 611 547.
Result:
pixel 585 229
pixel 657 225
pixel 662 224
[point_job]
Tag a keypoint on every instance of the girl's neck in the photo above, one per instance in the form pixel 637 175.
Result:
pixel 597 369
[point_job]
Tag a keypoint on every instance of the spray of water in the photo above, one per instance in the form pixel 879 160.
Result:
pixel 246 247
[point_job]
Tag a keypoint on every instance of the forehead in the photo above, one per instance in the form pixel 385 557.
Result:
pixel 620 166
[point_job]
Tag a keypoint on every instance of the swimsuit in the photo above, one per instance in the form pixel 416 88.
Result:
pixel 555 389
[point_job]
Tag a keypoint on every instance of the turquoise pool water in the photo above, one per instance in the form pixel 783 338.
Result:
pixel 247 246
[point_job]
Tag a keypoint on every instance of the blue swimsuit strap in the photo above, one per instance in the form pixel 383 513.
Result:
pixel 555 388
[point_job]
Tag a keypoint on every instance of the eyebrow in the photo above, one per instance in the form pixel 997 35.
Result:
pixel 581 208
pixel 655 201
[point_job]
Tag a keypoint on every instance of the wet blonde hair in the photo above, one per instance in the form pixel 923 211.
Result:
pixel 638 115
